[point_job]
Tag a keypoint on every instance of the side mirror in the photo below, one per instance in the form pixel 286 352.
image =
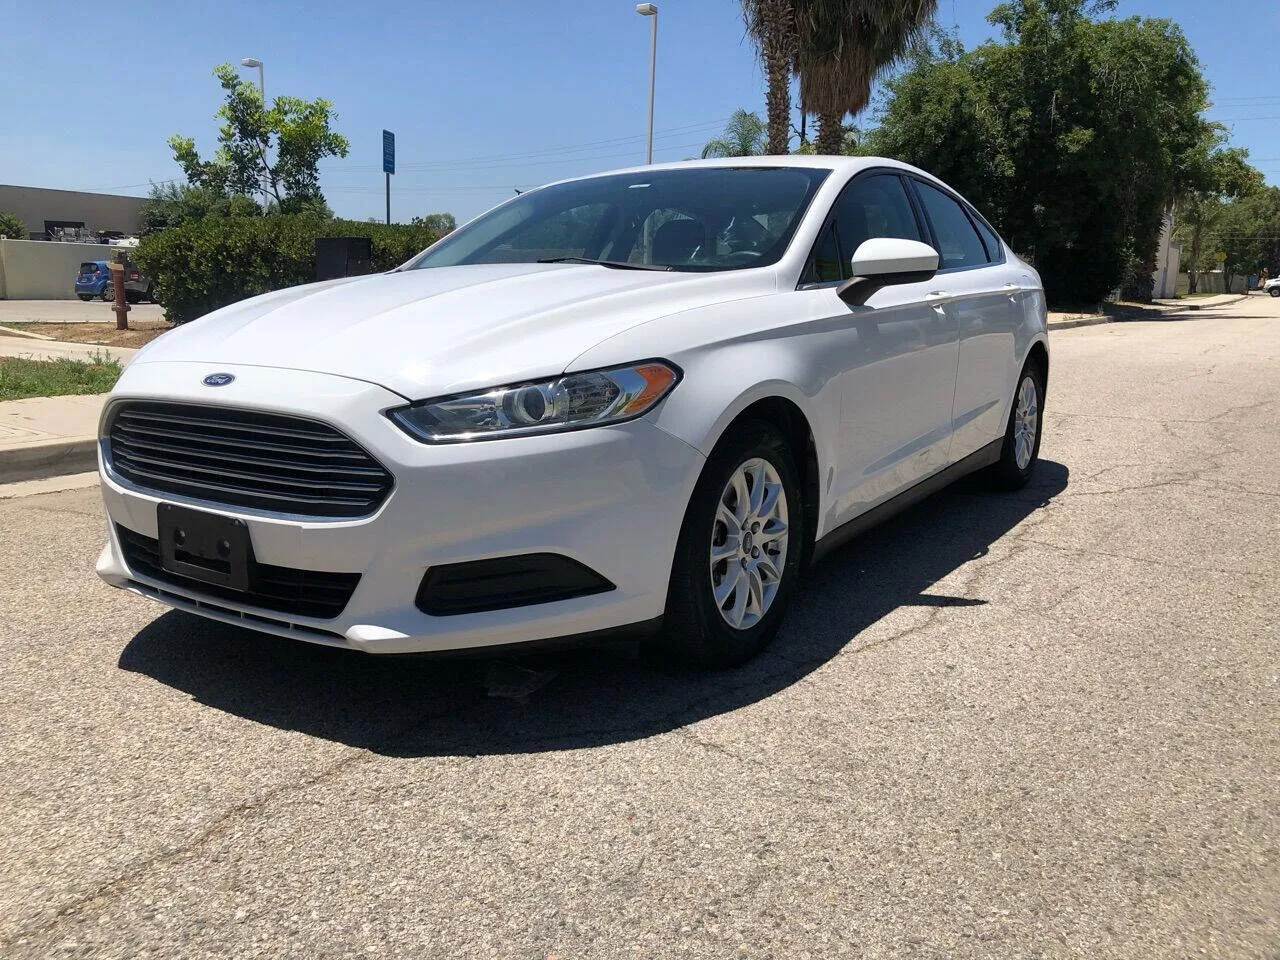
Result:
pixel 884 261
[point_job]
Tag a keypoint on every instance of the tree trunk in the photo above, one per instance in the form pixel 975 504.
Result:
pixel 776 52
pixel 1193 264
pixel 830 133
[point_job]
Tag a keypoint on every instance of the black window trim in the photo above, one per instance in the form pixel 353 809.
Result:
pixel 829 222
pixel 972 214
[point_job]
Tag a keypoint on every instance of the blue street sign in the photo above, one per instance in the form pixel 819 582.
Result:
pixel 388 152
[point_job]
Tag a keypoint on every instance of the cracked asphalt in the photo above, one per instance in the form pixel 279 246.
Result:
pixel 1044 724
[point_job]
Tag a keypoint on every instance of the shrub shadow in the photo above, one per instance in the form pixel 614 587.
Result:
pixel 408 707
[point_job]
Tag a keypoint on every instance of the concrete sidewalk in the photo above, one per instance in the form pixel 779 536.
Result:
pixel 48 436
pixel 57 349
pixel 72 311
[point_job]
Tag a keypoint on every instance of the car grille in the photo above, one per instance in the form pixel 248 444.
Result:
pixel 305 593
pixel 245 458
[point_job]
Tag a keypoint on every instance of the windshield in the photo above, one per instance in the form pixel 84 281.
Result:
pixel 705 218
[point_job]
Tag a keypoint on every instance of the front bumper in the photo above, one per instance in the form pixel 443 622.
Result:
pixel 611 498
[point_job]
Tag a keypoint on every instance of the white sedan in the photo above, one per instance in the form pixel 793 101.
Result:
pixel 642 399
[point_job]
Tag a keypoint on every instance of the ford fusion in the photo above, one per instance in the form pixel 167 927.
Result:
pixel 642 399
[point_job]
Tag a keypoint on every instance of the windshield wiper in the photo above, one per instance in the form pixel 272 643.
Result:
pixel 611 264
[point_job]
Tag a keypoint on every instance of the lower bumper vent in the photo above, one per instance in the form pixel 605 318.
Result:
pixel 503 582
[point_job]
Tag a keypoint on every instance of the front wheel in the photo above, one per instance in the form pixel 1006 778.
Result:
pixel 1021 446
pixel 1274 291
pixel 738 555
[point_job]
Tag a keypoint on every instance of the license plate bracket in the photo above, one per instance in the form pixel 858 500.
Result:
pixel 204 546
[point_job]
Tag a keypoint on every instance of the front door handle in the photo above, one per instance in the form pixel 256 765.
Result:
pixel 935 296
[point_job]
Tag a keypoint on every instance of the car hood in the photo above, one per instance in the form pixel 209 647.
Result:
pixel 442 330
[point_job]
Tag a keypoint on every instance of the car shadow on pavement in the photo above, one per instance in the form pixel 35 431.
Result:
pixel 413 706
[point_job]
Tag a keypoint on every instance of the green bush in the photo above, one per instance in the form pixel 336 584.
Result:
pixel 11 227
pixel 201 265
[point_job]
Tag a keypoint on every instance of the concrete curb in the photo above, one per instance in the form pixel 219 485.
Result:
pixel 11 332
pixel 1129 315
pixel 1079 322
pixel 48 458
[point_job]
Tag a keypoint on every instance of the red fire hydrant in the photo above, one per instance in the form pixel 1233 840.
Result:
pixel 121 306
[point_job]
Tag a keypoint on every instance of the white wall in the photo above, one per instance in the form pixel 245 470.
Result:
pixel 40 270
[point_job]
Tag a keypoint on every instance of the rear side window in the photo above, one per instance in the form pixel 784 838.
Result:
pixel 958 242
pixel 995 251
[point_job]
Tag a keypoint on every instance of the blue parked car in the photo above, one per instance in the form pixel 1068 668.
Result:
pixel 94 280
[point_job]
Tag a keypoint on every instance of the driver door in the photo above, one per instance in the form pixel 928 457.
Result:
pixel 896 360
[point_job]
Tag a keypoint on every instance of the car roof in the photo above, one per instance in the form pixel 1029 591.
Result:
pixel 810 161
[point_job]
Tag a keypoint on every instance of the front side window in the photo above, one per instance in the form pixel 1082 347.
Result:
pixel 873 205
pixel 707 218
pixel 958 242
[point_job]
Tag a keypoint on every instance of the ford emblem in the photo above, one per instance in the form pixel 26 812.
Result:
pixel 218 379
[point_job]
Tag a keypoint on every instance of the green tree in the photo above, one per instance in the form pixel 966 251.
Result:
pixel 840 47
pixel 1073 134
pixel 170 204
pixel 744 135
pixel 1214 177
pixel 441 223
pixel 272 150
pixel 771 26
pixel 11 228
pixel 1247 230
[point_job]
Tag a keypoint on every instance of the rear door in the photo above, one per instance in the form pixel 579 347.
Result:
pixel 981 294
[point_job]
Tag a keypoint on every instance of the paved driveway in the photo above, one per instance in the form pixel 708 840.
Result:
pixel 1045 724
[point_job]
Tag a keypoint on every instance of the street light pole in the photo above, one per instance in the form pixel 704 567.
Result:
pixel 262 92
pixel 650 10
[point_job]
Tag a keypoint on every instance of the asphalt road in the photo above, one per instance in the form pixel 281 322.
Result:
pixel 1045 724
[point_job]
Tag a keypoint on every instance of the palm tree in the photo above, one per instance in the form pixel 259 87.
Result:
pixel 771 25
pixel 840 47
pixel 744 136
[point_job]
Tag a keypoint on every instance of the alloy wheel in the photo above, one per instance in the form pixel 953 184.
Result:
pixel 749 543
pixel 1025 422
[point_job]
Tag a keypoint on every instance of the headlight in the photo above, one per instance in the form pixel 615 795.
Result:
pixel 574 400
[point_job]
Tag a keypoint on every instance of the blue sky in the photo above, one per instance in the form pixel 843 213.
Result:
pixel 484 96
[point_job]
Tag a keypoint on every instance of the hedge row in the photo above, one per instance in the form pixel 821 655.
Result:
pixel 201 265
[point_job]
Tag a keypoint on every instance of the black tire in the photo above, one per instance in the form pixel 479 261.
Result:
pixel 1006 473
pixel 693 628
pixel 1274 291
pixel 108 294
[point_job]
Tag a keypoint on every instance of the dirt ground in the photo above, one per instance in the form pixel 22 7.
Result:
pixel 139 334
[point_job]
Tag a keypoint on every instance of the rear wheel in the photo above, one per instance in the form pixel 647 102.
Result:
pixel 1274 291
pixel 1022 435
pixel 738 556
pixel 108 294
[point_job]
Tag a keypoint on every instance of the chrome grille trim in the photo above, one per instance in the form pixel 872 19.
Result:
pixel 244 458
